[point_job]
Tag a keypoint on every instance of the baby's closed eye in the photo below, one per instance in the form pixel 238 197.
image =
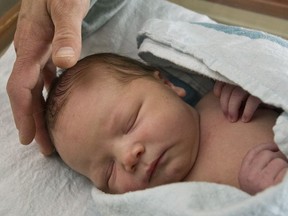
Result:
pixel 132 121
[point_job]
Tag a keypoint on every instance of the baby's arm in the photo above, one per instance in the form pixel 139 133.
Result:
pixel 233 98
pixel 263 166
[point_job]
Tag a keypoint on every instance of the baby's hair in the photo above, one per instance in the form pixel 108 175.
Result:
pixel 122 68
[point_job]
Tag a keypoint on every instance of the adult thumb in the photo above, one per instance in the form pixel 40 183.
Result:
pixel 67 19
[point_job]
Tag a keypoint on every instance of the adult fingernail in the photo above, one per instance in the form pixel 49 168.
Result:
pixel 22 138
pixel 47 152
pixel 65 52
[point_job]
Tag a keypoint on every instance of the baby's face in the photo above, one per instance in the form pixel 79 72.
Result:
pixel 126 137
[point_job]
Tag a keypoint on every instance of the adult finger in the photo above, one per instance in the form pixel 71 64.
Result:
pixel 67 16
pixel 49 74
pixel 19 89
pixel 42 136
pixel 32 45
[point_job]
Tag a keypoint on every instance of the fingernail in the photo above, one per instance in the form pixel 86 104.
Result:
pixel 21 138
pixel 47 152
pixel 65 52
pixel 232 119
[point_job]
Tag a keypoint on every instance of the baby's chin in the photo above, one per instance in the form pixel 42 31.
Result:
pixel 176 175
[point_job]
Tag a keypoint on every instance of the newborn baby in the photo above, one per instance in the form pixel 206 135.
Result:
pixel 121 124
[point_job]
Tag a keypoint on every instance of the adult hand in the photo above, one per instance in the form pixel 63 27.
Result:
pixel 233 98
pixel 263 166
pixel 48 34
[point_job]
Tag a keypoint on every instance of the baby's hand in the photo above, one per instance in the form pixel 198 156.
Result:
pixel 233 99
pixel 263 166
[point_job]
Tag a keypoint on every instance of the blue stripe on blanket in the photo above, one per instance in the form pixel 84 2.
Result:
pixel 253 34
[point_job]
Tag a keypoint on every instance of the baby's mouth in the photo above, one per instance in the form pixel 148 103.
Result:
pixel 153 167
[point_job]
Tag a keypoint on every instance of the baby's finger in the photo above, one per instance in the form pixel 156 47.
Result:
pixel 262 160
pixel 253 152
pixel 254 176
pixel 225 97
pixel 251 106
pixel 275 167
pixel 273 173
pixel 218 88
pixel 280 175
pixel 236 99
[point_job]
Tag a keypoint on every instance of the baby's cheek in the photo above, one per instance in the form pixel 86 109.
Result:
pixel 178 170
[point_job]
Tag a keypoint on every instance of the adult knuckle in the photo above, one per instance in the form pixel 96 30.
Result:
pixel 9 88
pixel 59 7
pixel 66 8
pixel 66 33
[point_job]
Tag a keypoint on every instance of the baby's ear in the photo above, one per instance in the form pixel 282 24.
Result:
pixel 178 90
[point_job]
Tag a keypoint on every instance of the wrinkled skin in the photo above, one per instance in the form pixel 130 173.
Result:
pixel 263 166
pixel 232 98
pixel 43 28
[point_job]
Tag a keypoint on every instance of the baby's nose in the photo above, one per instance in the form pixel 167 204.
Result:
pixel 132 157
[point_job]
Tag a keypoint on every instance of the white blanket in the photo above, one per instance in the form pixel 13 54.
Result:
pixel 254 60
